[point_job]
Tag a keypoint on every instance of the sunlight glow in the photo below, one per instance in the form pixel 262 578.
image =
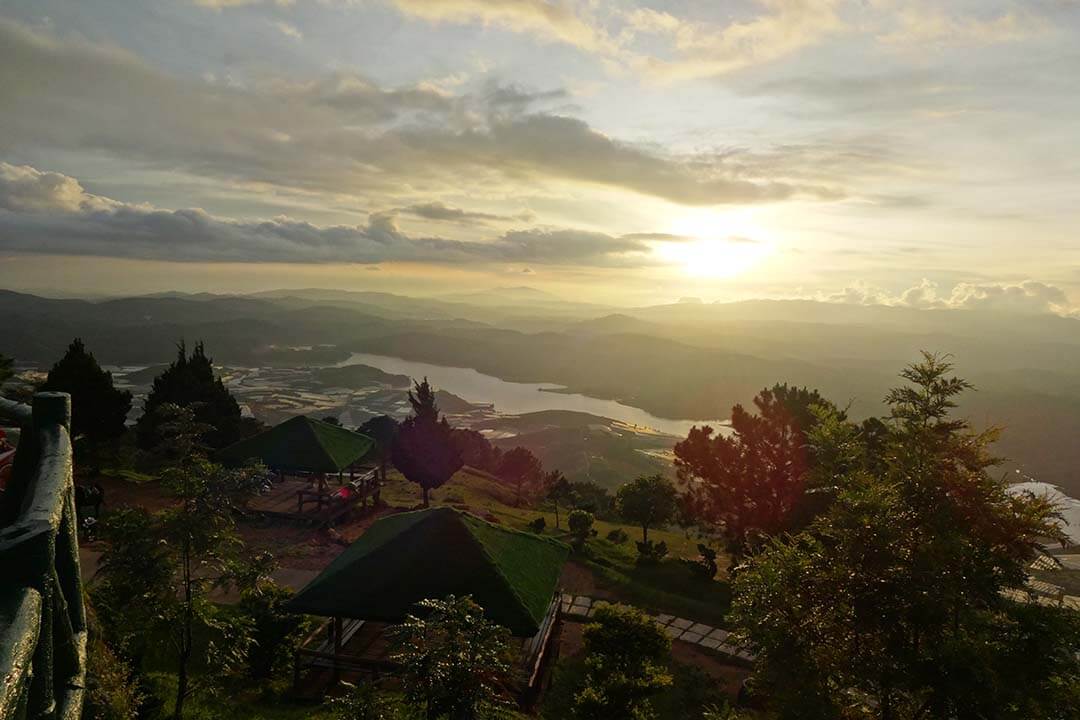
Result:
pixel 716 245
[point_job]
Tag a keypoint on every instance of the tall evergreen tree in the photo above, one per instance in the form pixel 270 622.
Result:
pixel 424 450
pixel 190 381
pixel 895 603
pixel 98 409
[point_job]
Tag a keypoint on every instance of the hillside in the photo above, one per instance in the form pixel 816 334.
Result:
pixel 677 361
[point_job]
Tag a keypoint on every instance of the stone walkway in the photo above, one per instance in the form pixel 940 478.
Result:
pixel 581 607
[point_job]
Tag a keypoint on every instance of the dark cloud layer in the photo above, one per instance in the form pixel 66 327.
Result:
pixel 51 213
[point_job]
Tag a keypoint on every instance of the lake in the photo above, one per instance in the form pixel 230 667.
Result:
pixel 519 398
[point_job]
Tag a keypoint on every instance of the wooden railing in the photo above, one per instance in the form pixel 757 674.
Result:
pixel 42 619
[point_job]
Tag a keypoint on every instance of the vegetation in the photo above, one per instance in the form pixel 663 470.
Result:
pixel 648 501
pixel 520 467
pixel 6 368
pixel 98 410
pixel 173 559
pixel 558 491
pixel 625 657
pixel 424 450
pixel 889 605
pixel 453 660
pixel 190 382
pixel 751 485
pixel 581 527
pixel 383 429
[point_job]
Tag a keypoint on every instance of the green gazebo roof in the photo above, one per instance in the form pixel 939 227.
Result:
pixel 405 558
pixel 301 443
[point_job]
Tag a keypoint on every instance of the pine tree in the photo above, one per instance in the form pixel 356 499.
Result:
pixel 98 409
pixel 424 450
pixel 190 381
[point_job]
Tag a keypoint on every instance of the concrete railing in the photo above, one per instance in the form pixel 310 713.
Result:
pixel 42 618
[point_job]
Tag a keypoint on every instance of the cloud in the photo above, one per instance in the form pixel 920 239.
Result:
pixel 51 213
pixel 442 212
pixel 705 49
pixel 288 30
pixel 914 24
pixel 1027 297
pixel 340 133
pixel 557 20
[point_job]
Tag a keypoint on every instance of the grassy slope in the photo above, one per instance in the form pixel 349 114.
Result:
pixel 668 587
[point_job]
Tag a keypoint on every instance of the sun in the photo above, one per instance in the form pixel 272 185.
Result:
pixel 713 244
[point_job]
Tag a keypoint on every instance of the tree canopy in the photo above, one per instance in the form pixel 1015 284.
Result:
pixel 890 604
pixel 383 429
pixel 648 501
pixel 98 409
pixel 190 381
pixel 752 483
pixel 424 450
pixel 520 467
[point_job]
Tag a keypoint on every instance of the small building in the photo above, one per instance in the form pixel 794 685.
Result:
pixel 303 454
pixel 405 558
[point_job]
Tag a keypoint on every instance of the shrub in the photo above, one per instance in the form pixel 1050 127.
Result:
pixel 626 656
pixel 454 661
pixel 538 525
pixel 618 536
pixel 273 629
pixel 705 567
pixel 581 527
pixel 650 552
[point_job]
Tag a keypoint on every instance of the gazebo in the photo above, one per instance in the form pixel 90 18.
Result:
pixel 303 452
pixel 408 557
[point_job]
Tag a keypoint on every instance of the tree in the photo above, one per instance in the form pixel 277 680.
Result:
pixel 476 450
pixel 587 495
pixel 159 569
pixel 559 490
pixel 98 409
pixel 892 600
pixel 648 501
pixel 424 449
pixel 581 527
pixel 453 660
pixel 383 429
pixel 273 628
pixel 190 382
pixel 626 655
pixel 520 467
pixel 752 483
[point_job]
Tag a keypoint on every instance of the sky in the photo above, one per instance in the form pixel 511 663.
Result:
pixel 905 152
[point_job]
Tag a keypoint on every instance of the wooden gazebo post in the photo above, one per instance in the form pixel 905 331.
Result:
pixel 337 646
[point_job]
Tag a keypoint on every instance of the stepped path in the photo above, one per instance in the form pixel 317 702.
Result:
pixel 581 607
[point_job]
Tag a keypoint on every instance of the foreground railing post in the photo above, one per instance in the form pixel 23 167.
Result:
pixel 43 652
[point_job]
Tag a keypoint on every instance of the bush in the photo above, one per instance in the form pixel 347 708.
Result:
pixel 581 527
pixel 273 629
pixel 112 688
pixel 626 656
pixel 618 536
pixel 538 525
pixel 650 552
pixel 705 567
